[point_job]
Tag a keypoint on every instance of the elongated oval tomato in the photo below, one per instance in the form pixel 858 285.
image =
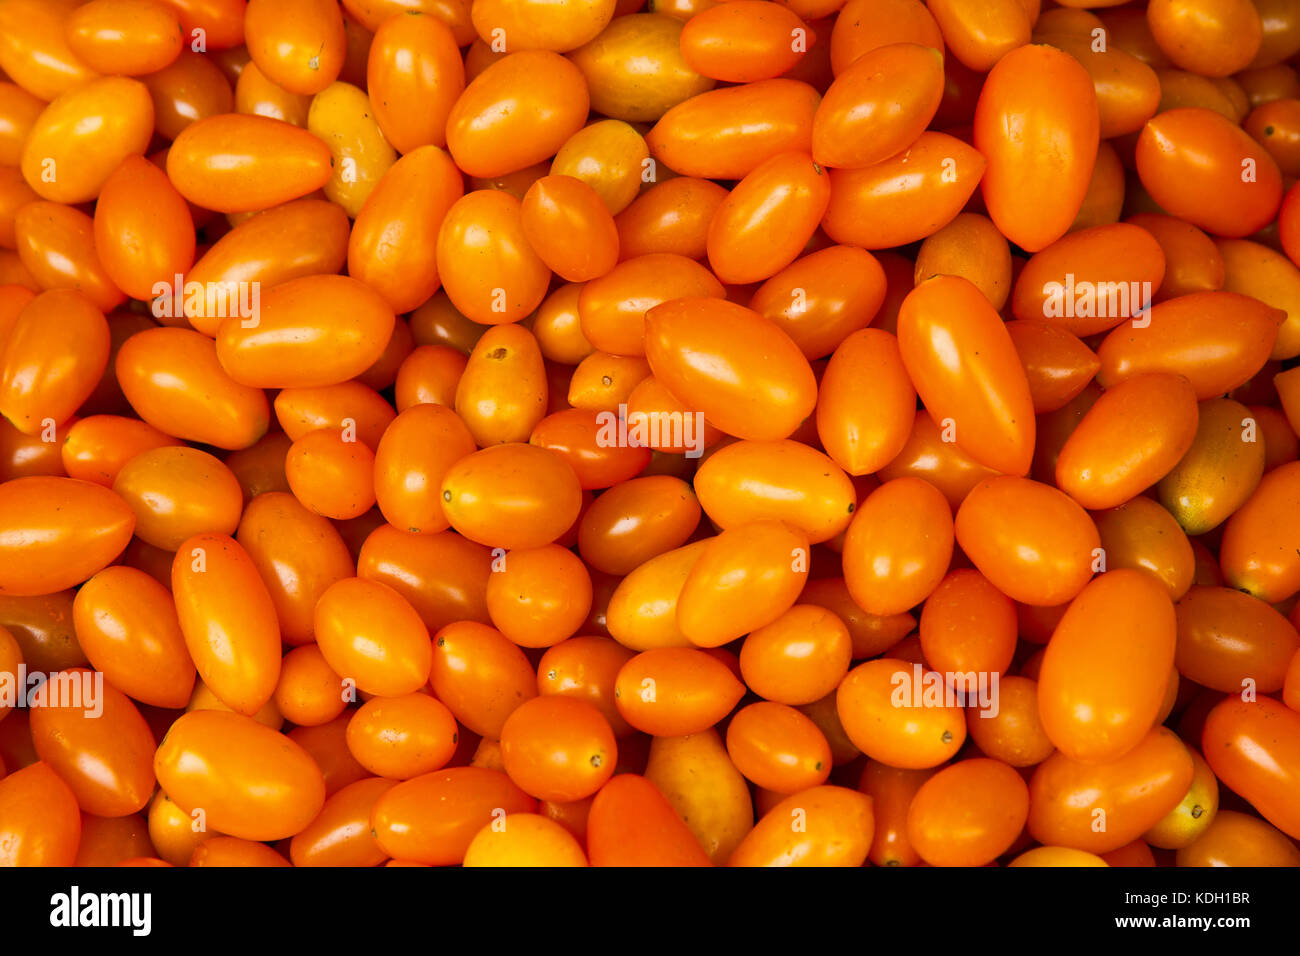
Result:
pixel 511 496
pixel 1032 541
pixel 768 218
pixel 1218 340
pixel 642 611
pixel 250 781
pixel 673 691
pixel 746 41
pixel 58 532
pixel 1141 534
pixel 632 824
pixel 102 748
pixel 1219 471
pixel 1239 839
pixel 1068 798
pixel 340 835
pixel 778 748
pixel 433 818
pixel 393 244
pixel 300 44
pixel 1253 747
pixel 410 462
pixel 878 106
pixel 402 737
pixel 1258 550
pixel 1226 638
pixel 126 623
pixel 235 163
pixel 612 308
pixel 1058 366
pixel 53 358
pixel 1131 438
pixel 865 403
pixel 754 383
pixel 1268 275
pixel 313 331
pixel 525 839
pixel 502 394
pixel 341 116
pixel 228 620
pixel 968 814
pixel 371 634
pixel 414 59
pixel 443 575
pixel 558 748
pixel 1037 101
pixel 40 822
pixel 1128 90
pixel 698 779
pixel 128 37
pixel 569 226
pixel 517 112
pixel 1104 674
pixel 727 133
pixel 899 714
pixel 1201 167
pixel 671 216
pixel 480 675
pixel 300 238
pixel 144 234
pixel 838 826
pixel 898 547
pixel 56 244
pixel 84 135
pixel 177 492
pixel 958 354
pixel 906 197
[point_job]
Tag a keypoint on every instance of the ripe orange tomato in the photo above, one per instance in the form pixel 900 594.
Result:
pixel 968 814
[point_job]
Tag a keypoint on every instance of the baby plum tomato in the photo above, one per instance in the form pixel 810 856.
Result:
pixel 570 228
pixel 502 394
pixel 429 374
pixel 558 748
pixel 778 748
pixel 233 852
pixel 480 675
pixel 143 231
pixel 632 824
pixel 443 575
pixel 612 158
pixel 744 41
pixel 104 754
pixel 371 634
pixel 341 116
pixel 269 163
pixel 898 547
pixel 258 96
pixel 511 496
pixel 1121 256
pixel 878 106
pixel 1218 340
pixel 1141 534
pixel 540 25
pixel 251 781
pixel 968 814
pixel 783 480
pixel 745 578
pixel 635 70
pixel 1193 815
pixel 524 839
pixel 838 828
pixel 824 297
pixel 1035 544
pixel 1256 270
pixel 331 474
pixel 539 597
pixel 1131 438
pixel 84 135
pixel 53 358
pixel 56 244
pixel 696 776
pixel 413 456
pixel 485 263
pixel 635 521
pixel 768 218
pixel 906 197
pixel 308 693
pixel 1253 747
pixel 1104 675
pixel 1219 471
pixel 299 44
pixel 968 625
pixel 1258 553
pixel 1036 101
pixel 1135 792
pixel 799 658
pixel 517 112
pixel 403 736
pixel 433 818
pixel 586 668
pixel 1238 839
pixel 612 308
pixel 393 244
pixel 177 492
pixel 1058 366
pixel 674 691
pixel 58 532
pixel 671 216
pixel 313 331
pixel 1213 38
pixel 971 247
pixel 228 620
pixel 866 402
pixel 1014 734
pixel 730 364
pixel 349 406
pixel 958 353
pixel 297 554
pixel 1203 168
pixel 40 822
pixel 1193 262
pixel 1128 90
pixel 909 732
pixel 414 59
pixel 728 133
pixel 340 835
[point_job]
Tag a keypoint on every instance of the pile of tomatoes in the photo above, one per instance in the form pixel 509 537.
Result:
pixel 567 432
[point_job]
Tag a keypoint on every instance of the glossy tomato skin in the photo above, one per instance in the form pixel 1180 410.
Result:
pixel 696 776
pixel 480 675
pixel 968 814
pixel 1257 554
pixel 1203 168
pixel 60 531
pixel 300 45
pixel 1037 100
pixel 340 835
pixel 673 691
pixel 1252 748
pixel 892 563
pixel 838 828
pixel 558 748
pixel 635 521
pixel 41 823
pixel 632 824
pixel 1104 674
pixel 885 712
pixel 1238 839
pixel 371 634
pixel 144 233
pixel 250 781
pixel 56 244
pixel 985 396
